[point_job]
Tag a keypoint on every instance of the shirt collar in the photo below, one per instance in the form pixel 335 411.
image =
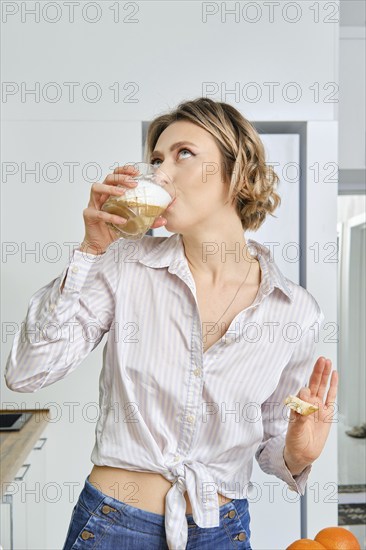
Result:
pixel 170 253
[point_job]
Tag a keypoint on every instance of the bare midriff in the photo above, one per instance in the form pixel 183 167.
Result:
pixel 144 490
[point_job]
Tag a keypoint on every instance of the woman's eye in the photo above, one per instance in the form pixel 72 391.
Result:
pixel 154 161
pixel 187 150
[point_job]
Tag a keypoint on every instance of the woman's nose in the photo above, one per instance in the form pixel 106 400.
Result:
pixel 164 173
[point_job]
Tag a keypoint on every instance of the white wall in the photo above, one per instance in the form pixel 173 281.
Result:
pixel 165 56
pixel 170 50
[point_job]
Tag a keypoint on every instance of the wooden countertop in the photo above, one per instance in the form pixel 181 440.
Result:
pixel 16 446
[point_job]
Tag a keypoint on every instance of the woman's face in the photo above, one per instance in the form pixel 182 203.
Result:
pixel 190 156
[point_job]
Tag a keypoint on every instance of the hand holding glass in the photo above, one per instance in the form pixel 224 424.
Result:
pixel 142 204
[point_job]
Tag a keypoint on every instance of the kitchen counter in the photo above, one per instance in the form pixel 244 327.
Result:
pixel 15 446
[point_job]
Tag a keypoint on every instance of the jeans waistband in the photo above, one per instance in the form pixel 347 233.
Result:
pixel 92 498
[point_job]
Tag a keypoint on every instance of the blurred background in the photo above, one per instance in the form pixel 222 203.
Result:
pixel 80 83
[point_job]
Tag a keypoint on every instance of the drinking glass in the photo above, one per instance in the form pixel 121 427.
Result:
pixel 142 204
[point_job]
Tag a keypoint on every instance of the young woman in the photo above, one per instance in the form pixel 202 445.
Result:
pixel 220 337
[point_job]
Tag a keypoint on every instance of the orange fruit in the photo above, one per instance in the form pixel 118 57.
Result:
pixel 305 544
pixel 337 538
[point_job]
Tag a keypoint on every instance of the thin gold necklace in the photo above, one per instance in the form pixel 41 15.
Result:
pixel 241 284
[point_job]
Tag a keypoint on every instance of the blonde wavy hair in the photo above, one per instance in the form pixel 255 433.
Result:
pixel 252 184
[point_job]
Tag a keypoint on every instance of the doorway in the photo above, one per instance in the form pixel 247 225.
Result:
pixel 351 231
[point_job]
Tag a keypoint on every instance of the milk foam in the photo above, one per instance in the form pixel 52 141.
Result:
pixel 148 193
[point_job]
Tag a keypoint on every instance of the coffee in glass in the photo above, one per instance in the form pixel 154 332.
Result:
pixel 142 204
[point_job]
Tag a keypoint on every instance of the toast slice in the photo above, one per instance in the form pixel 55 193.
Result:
pixel 300 406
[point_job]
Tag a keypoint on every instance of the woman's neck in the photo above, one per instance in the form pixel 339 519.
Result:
pixel 219 261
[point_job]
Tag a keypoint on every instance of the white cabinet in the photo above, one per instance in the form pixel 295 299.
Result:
pixel 23 504
pixel 14 525
pixel 35 496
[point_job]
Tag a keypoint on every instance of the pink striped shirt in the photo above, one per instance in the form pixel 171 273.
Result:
pixel 197 418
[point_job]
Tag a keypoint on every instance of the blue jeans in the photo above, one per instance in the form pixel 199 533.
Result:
pixel 101 522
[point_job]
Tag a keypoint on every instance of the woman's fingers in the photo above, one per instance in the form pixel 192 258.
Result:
pixel 319 377
pixel 99 215
pixel 113 180
pixel 115 184
pixel 98 224
pixel 101 191
pixel 127 168
pixel 324 378
pixel 104 189
pixel 332 392
pixel 120 179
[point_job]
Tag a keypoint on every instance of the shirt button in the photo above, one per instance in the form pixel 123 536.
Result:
pixel 176 458
pixel 190 419
pixel 75 269
pixel 197 372
pixel 52 307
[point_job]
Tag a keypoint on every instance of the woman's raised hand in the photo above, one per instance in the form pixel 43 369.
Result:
pixel 306 435
pixel 99 235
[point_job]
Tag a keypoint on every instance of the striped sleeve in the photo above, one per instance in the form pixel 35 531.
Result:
pixel 61 328
pixel 295 375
